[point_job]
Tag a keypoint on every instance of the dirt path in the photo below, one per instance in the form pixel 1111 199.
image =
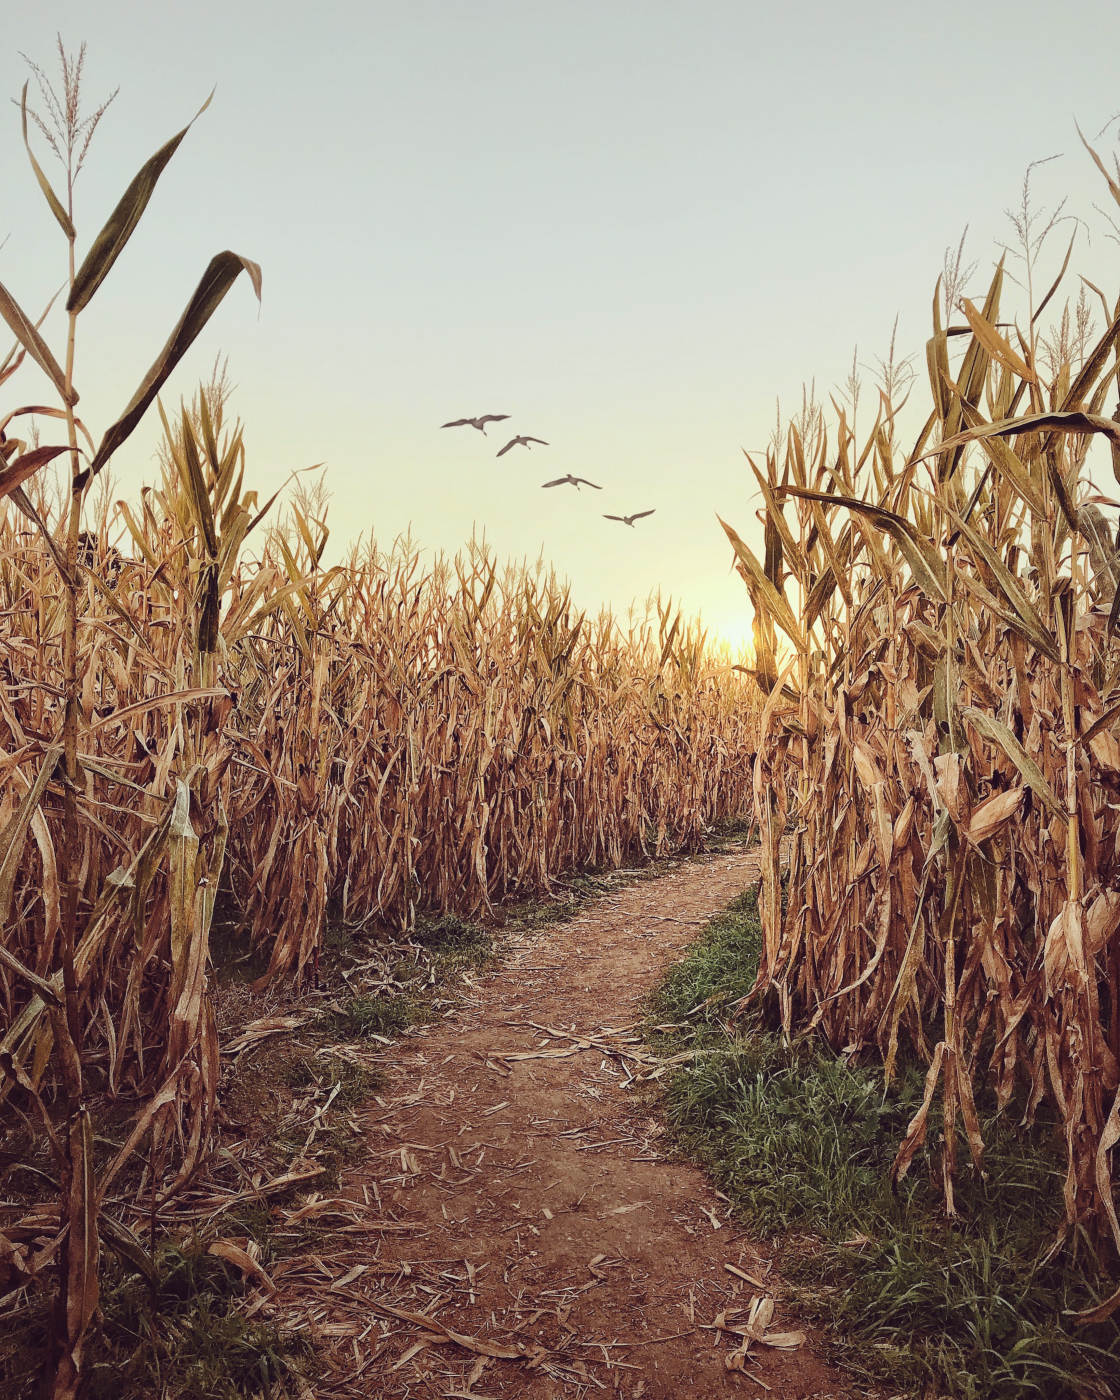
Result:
pixel 523 1203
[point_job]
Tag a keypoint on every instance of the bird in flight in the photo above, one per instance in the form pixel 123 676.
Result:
pixel 524 441
pixel 571 480
pixel 629 519
pixel 479 423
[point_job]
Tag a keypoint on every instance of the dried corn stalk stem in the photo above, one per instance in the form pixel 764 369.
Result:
pixel 940 737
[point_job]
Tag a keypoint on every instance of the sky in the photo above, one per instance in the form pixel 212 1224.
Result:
pixel 635 226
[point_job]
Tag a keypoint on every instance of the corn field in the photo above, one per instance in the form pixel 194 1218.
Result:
pixel 197 713
pixel 936 637
pixel 184 721
pixel 361 742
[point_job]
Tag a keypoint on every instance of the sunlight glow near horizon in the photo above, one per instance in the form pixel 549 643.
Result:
pixel 630 227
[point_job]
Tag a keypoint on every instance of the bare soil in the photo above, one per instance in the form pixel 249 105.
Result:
pixel 533 1235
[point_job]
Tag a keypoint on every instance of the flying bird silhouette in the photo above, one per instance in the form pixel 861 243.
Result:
pixel 479 423
pixel 629 519
pixel 524 441
pixel 570 480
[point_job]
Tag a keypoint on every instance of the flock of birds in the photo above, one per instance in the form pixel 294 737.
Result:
pixel 524 440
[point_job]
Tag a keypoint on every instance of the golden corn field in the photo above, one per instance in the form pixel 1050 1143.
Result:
pixel 201 718
pixel 362 742
pixel 936 633
pixel 370 739
pixel 183 721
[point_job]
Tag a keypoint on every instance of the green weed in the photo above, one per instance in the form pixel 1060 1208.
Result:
pixel 355 1083
pixel 187 1341
pixel 184 1340
pixel 450 933
pixel 376 1014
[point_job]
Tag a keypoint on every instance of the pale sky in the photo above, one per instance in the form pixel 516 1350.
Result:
pixel 630 226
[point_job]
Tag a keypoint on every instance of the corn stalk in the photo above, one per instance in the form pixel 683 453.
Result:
pixel 940 725
pixel 54 1017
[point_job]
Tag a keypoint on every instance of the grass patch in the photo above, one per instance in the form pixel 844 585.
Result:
pixel 355 1083
pixel 529 914
pixel 730 832
pixel 450 946
pixel 803 1141
pixel 374 1014
pixel 181 1340
pixel 572 893
pixel 316 1079
pixel 186 1339
pixel 448 933
pixel 691 1004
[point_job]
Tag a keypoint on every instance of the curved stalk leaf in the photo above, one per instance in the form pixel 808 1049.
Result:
pixel 124 1243
pixel 17 472
pixel 15 356
pixel 34 343
pixel 57 207
pixel 997 346
pixel 221 273
pixel 1032 775
pixel 1025 619
pixel 1091 370
pixel 1045 302
pixel 109 243
pixel 40 411
pixel 12 841
pixel 775 600
pixel 1072 422
pixel 1112 185
pixel 925 561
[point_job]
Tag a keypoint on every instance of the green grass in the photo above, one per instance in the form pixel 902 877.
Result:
pixel 730 832
pixel 182 1340
pixel 374 1014
pixel 695 997
pixel 448 933
pixel 573 892
pixel 187 1340
pixel 802 1141
pixel 355 1083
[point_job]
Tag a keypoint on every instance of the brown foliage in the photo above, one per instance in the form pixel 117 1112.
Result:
pixel 370 739
pixel 940 736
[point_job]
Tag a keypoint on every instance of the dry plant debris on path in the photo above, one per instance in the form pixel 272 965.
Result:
pixel 526 1235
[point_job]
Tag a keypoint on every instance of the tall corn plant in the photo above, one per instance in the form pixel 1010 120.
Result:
pixel 940 736
pixel 290 674
pixel 57 992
